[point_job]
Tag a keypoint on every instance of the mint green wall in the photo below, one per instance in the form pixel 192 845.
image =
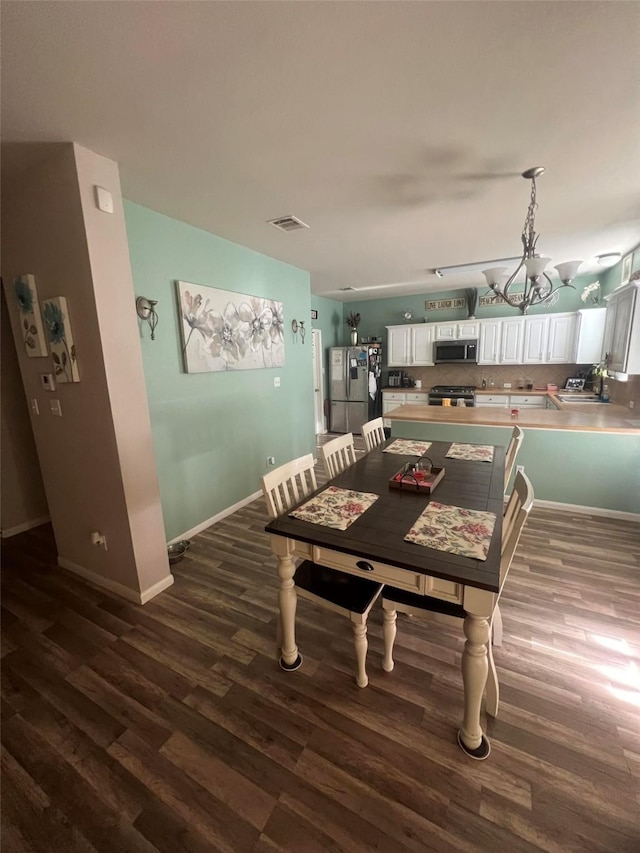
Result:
pixel 330 321
pixel 593 469
pixel 212 432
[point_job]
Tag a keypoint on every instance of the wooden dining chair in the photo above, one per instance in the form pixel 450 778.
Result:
pixel 373 433
pixel 517 437
pixel 515 515
pixel 343 593
pixel 338 454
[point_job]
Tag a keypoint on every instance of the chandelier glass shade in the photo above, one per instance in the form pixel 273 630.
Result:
pixel 538 287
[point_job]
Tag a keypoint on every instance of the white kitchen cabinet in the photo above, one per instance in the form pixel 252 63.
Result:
pixel 421 345
pixel 495 401
pixel 409 346
pixel 624 352
pixel 458 331
pixel 512 341
pixel 398 345
pixel 490 341
pixel 534 401
pixel 589 336
pixel 562 334
pixel 392 399
pixel 536 336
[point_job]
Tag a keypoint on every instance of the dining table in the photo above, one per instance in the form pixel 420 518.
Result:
pixel 374 546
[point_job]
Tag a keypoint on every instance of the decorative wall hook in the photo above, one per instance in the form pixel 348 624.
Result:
pixel 303 331
pixel 146 310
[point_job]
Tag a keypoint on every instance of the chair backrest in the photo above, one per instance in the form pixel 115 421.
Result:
pixel 285 486
pixel 338 454
pixel 516 440
pixel 373 433
pixel 515 515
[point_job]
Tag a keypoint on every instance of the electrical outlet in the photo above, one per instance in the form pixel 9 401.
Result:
pixel 271 461
pixel 506 385
pixel 55 408
pixel 276 381
pixel 99 539
pixel 631 404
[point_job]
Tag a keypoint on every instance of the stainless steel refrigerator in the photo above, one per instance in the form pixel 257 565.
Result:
pixel 354 386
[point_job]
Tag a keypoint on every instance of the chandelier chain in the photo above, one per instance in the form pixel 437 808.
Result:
pixel 528 232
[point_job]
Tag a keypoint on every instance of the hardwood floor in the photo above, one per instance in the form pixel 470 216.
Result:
pixel 171 727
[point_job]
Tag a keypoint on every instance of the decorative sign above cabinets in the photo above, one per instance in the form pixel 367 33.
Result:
pixel 443 304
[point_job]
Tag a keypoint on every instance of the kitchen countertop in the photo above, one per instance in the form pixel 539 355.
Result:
pixel 582 417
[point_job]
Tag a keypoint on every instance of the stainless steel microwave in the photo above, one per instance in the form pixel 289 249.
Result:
pixel 456 352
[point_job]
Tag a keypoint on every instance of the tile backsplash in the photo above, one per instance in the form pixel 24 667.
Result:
pixel 540 374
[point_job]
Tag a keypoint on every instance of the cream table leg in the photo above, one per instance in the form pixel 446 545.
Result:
pixel 496 627
pixel 389 634
pixel 474 677
pixel 361 644
pixel 290 658
pixel 492 690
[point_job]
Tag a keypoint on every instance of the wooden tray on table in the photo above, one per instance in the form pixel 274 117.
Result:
pixel 416 481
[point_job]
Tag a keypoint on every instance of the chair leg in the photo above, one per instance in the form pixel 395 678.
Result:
pixel 492 688
pixel 496 626
pixel 359 624
pixel 389 633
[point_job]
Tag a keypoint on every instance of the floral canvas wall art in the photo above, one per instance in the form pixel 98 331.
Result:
pixel 58 330
pixel 223 330
pixel 30 319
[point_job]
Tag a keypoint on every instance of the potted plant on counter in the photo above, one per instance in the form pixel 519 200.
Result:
pixel 353 321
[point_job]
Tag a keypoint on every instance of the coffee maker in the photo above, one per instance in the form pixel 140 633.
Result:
pixel 395 379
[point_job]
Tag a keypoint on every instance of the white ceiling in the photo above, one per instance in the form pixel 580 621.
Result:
pixel 396 130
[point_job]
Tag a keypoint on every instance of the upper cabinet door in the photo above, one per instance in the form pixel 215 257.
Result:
pixel 469 330
pixel 536 336
pixel 422 345
pixel 490 340
pixel 512 335
pixel 398 346
pixel 446 331
pixel 618 360
pixel 562 335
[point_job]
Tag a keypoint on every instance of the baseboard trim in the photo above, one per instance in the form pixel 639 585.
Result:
pixel 113 586
pixel 22 528
pixel 215 518
pixel 156 589
pixel 589 510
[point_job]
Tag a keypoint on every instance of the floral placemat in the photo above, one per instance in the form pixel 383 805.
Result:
pixel 471 452
pixel 407 447
pixel 466 532
pixel 335 507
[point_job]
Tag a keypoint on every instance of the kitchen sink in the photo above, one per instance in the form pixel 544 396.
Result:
pixel 570 398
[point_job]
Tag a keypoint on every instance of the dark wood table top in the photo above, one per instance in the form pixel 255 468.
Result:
pixel 378 534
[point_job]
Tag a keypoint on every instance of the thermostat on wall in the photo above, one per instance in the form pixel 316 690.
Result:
pixel 48 382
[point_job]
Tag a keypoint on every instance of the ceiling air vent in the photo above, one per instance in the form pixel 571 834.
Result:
pixel 287 223
pixel 347 288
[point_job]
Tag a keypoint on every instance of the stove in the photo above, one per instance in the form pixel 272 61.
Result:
pixel 451 392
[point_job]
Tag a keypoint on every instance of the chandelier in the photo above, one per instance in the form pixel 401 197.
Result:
pixel 538 287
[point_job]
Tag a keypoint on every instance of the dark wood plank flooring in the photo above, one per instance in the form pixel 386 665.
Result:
pixel 170 727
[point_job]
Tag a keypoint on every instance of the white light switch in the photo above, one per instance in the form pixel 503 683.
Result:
pixel 34 406
pixel 104 200
pixel 55 407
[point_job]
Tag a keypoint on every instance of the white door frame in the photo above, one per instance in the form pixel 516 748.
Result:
pixel 318 381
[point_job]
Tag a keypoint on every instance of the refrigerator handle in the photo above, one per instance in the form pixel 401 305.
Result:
pixel 348 376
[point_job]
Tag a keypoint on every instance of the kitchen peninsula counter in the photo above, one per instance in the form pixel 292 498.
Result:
pixel 579 417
